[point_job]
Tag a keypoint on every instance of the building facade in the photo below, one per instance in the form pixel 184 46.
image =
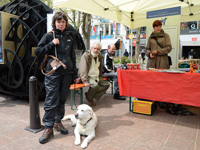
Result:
pixel 111 32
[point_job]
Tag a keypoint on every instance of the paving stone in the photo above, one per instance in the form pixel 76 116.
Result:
pixel 117 129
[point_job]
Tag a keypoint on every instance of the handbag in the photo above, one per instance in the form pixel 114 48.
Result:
pixel 169 57
pixel 55 64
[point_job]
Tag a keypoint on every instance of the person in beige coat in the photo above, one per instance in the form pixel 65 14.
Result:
pixel 90 72
pixel 158 47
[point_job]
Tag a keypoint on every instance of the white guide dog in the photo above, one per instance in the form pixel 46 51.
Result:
pixel 86 121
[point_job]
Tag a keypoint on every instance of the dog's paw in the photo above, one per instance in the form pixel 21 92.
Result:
pixel 77 142
pixel 73 123
pixel 84 145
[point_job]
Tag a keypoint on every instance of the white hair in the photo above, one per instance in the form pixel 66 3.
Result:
pixel 96 43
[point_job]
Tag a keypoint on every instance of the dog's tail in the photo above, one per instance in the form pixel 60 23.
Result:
pixel 72 118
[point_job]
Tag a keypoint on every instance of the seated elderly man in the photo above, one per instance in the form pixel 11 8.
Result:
pixel 90 72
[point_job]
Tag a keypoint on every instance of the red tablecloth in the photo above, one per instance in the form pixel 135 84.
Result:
pixel 179 88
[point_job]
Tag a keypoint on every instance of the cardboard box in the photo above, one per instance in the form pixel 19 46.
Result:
pixel 143 106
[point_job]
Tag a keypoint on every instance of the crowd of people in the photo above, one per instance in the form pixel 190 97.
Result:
pixel 93 66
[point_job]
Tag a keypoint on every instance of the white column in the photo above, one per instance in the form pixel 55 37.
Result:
pixel 110 27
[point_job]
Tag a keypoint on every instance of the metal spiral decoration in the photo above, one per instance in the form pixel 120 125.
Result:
pixel 15 73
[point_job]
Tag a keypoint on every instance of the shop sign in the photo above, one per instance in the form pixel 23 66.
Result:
pixel 102 37
pixel 184 32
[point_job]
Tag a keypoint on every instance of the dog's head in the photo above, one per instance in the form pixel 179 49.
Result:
pixel 83 112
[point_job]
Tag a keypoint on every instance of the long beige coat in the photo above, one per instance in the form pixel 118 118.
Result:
pixel 160 61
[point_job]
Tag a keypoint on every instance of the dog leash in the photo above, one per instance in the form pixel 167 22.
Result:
pixel 74 95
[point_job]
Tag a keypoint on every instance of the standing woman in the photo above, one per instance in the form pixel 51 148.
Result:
pixel 158 47
pixel 57 84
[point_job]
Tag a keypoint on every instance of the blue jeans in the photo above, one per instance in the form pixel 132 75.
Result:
pixel 113 75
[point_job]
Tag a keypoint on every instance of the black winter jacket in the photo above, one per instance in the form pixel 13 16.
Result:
pixel 65 50
pixel 107 62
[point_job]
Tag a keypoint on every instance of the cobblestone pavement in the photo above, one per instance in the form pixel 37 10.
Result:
pixel 117 129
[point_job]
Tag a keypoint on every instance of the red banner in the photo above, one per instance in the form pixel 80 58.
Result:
pixel 93 28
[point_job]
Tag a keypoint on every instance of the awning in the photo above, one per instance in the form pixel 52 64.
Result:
pixel 105 42
pixel 131 13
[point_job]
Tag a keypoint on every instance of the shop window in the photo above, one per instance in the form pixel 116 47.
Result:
pixel 118 28
pixel 112 32
pixel 143 30
pixel 91 32
pixel 107 29
pixel 96 30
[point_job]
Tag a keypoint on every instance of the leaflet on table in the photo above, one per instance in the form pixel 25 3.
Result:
pixel 167 70
pixel 171 71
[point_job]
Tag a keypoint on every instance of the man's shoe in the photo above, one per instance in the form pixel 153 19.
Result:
pixel 60 128
pixel 118 97
pixel 89 100
pixel 47 134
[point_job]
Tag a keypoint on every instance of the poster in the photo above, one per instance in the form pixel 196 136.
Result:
pixel 49 22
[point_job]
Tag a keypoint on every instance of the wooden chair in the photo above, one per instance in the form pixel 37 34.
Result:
pixel 76 89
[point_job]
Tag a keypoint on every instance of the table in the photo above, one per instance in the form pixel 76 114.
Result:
pixel 178 88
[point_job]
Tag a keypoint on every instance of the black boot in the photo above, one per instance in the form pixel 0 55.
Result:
pixel 60 128
pixel 47 134
pixel 118 97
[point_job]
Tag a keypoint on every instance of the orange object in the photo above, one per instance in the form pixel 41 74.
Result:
pixel 105 78
pixel 144 107
pixel 195 66
pixel 76 86
pixel 136 66
pixel 129 66
pixel 191 67
pixel 133 66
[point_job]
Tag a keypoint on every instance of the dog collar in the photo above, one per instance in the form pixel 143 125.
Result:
pixel 84 125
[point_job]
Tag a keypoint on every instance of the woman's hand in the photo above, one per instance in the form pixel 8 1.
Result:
pixel 56 41
pixel 154 52
pixel 151 55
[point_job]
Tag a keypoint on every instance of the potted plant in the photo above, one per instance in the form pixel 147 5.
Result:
pixel 123 63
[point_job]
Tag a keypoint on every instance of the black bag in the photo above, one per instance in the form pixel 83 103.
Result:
pixel 170 60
